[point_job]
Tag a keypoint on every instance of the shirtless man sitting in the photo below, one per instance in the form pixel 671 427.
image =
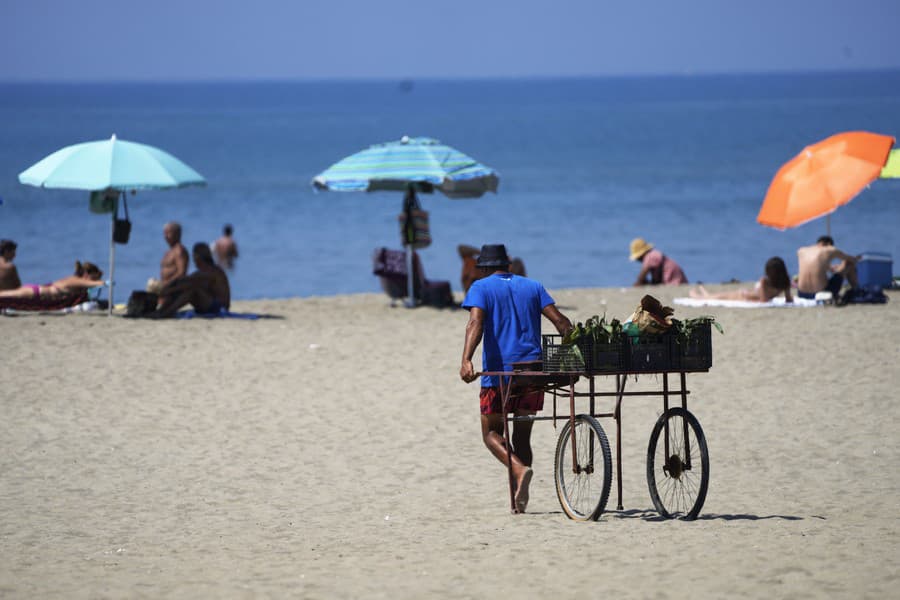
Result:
pixel 174 263
pixel 815 263
pixel 206 289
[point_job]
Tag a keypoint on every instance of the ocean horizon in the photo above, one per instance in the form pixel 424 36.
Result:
pixel 585 164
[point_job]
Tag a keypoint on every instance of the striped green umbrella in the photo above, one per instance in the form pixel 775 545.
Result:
pixel 422 163
pixel 410 165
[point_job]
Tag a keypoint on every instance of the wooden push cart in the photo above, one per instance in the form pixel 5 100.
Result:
pixel 677 454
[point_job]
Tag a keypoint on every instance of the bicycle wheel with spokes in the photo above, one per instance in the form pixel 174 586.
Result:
pixel 678 465
pixel 583 469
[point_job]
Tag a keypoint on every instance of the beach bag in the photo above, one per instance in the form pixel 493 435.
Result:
pixel 868 294
pixel 121 227
pixel 140 304
pixel 418 232
pixel 389 263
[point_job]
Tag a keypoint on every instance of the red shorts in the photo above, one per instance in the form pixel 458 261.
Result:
pixel 520 398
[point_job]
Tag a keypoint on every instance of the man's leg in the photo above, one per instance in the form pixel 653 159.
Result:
pixel 193 294
pixel 521 437
pixel 521 443
pixel 492 435
pixel 848 270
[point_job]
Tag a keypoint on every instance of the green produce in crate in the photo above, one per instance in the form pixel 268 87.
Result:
pixel 570 358
pixel 683 330
pixel 598 329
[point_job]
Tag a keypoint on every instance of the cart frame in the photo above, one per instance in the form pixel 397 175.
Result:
pixel 564 384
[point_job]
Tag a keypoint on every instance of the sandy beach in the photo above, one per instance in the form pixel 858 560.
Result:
pixel 331 451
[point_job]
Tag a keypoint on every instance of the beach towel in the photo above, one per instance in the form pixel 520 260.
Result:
pixel 89 306
pixel 42 304
pixel 774 303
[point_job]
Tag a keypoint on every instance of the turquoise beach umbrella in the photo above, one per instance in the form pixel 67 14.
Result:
pixel 410 165
pixel 112 165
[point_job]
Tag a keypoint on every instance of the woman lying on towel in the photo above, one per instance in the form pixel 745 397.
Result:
pixel 86 276
pixel 776 281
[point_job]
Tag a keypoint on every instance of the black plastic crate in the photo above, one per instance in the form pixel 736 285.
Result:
pixel 649 353
pixel 585 356
pixel 695 352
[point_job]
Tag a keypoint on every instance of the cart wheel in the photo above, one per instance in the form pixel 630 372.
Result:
pixel 583 489
pixel 678 481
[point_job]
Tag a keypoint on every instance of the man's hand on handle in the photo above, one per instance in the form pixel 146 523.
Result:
pixel 467 371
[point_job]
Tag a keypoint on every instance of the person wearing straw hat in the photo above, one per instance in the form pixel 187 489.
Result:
pixel 505 310
pixel 656 267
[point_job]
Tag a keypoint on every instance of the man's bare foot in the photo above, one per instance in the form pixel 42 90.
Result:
pixel 522 490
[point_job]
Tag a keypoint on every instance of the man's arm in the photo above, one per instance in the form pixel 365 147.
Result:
pixel 642 276
pixel 474 331
pixel 181 263
pixel 837 254
pixel 560 321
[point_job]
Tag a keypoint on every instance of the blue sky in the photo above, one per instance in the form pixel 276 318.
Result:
pixel 315 39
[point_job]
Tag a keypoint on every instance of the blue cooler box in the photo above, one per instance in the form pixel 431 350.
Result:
pixel 875 268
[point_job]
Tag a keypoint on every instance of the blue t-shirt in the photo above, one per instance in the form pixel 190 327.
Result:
pixel 512 324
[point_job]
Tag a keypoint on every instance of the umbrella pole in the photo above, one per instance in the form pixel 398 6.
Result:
pixel 410 276
pixel 112 259
pixel 409 236
pixel 828 224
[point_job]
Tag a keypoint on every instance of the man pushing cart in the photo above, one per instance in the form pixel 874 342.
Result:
pixel 505 310
pixel 519 365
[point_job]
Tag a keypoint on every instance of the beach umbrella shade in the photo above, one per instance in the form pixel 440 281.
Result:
pixel 891 168
pixel 824 176
pixel 410 165
pixel 113 165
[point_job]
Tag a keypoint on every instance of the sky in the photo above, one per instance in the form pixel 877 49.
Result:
pixel 174 40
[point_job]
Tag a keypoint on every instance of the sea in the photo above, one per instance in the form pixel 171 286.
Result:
pixel 585 166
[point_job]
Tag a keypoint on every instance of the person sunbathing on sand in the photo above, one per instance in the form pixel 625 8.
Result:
pixel 776 281
pixel 86 276
pixel 206 289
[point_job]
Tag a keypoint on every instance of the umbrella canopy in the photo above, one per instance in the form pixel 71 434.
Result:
pixel 824 176
pixel 892 166
pixel 422 162
pixel 110 164
pixel 410 165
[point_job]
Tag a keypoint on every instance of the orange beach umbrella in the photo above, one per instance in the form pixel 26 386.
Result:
pixel 822 177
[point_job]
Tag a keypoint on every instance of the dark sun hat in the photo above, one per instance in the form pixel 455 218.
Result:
pixel 493 255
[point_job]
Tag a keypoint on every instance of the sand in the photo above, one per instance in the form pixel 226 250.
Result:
pixel 331 451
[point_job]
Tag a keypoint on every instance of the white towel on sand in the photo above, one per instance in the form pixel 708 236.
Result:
pixel 775 302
